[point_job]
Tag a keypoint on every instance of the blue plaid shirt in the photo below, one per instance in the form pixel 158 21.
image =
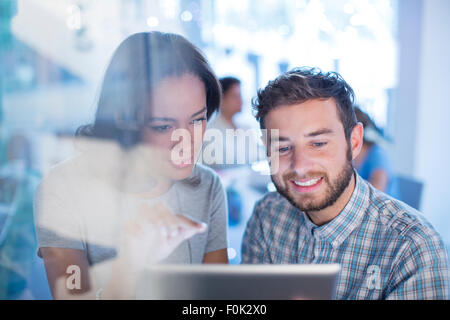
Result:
pixel 386 249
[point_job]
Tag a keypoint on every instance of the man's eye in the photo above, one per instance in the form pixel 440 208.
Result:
pixel 284 149
pixel 319 144
pixel 163 128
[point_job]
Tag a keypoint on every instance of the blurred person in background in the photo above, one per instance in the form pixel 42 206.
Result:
pixel 125 201
pixel 230 106
pixel 239 143
pixel 373 163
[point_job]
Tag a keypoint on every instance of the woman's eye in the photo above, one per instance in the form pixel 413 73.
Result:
pixel 163 128
pixel 198 121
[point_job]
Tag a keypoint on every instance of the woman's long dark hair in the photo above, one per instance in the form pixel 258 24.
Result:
pixel 137 66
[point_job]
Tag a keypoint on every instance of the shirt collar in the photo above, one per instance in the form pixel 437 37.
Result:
pixel 338 229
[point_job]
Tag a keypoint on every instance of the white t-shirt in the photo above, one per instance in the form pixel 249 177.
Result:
pixel 76 207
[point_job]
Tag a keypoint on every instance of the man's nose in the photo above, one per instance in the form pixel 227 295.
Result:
pixel 301 163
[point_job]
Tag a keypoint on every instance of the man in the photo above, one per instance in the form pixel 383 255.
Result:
pixel 324 212
pixel 234 135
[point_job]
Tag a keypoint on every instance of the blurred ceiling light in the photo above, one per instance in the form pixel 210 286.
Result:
pixel 152 22
pixel 186 16
pixel 73 21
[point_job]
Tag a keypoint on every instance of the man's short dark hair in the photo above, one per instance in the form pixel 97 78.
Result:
pixel 227 82
pixel 303 84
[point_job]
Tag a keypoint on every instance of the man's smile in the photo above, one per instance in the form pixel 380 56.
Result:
pixel 306 185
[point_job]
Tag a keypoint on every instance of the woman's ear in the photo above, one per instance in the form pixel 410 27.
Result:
pixel 356 139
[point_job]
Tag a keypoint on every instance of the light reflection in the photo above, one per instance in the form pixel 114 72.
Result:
pixel 186 16
pixel 152 22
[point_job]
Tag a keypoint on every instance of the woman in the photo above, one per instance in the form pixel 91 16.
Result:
pixel 136 194
pixel 373 163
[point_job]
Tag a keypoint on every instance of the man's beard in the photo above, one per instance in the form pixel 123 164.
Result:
pixel 334 190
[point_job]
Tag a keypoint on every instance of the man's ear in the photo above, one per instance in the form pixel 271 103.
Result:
pixel 356 139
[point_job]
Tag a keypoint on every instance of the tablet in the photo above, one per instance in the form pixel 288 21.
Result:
pixel 238 282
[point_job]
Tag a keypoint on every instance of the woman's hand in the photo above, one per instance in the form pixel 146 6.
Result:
pixel 147 239
pixel 154 234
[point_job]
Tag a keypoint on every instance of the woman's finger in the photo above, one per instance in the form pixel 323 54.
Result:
pixel 162 218
pixel 189 226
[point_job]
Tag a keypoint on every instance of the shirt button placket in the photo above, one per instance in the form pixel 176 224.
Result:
pixel 316 250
